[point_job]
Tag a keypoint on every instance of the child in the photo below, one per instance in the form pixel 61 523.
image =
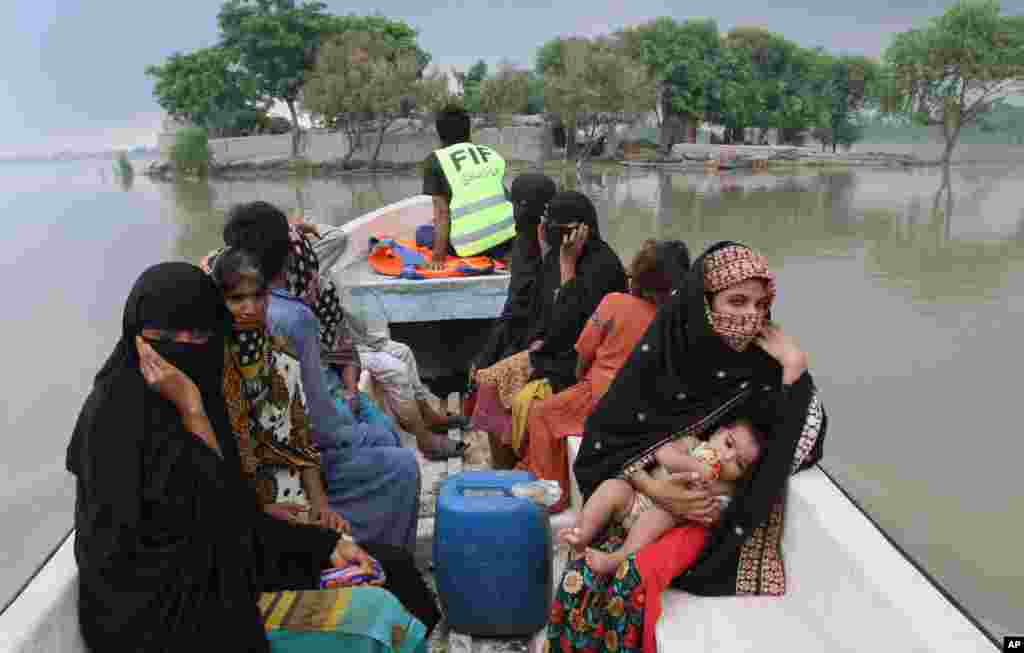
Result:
pixel 728 455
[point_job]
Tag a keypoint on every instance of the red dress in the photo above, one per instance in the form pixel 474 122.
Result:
pixel 607 340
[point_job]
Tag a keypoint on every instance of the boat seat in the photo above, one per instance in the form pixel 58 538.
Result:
pixel 848 589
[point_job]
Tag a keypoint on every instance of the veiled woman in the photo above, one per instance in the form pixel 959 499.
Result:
pixel 710 355
pixel 578 270
pixel 607 340
pixel 170 541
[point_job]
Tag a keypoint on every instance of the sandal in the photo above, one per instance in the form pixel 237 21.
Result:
pixel 451 449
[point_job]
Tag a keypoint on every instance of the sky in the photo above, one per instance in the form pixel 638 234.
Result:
pixel 71 71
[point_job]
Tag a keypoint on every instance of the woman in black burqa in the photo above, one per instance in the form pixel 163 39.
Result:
pixel 529 194
pixel 577 271
pixel 171 545
pixel 711 355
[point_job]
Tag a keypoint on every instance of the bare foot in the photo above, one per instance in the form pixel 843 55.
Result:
pixel 601 562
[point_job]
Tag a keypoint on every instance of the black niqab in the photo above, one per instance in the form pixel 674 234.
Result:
pixel 530 194
pixel 163 539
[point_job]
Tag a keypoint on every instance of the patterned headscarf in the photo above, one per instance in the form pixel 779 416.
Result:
pixel 724 268
pixel 303 280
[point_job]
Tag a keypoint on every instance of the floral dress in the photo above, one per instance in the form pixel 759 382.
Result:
pixel 593 613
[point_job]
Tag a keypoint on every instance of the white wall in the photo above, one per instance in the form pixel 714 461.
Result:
pixel 520 143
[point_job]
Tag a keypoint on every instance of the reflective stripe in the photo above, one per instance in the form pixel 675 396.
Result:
pixel 480 234
pixel 479 205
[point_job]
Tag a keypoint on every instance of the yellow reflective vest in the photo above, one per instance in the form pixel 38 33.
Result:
pixel 481 215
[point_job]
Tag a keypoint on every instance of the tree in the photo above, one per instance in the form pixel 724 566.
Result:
pixel 779 82
pixel 846 90
pixel 535 94
pixel 277 41
pixel 949 73
pixel 596 86
pixel 471 84
pixel 680 57
pixel 362 84
pixel 549 56
pixel 507 92
pixel 208 88
pixel 733 98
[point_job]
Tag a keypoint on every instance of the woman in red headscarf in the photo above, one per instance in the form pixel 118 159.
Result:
pixel 710 355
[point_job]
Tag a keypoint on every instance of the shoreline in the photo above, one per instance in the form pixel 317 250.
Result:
pixel 732 159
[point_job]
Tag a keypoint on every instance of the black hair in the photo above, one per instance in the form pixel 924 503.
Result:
pixel 676 257
pixel 262 229
pixel 233 265
pixel 452 125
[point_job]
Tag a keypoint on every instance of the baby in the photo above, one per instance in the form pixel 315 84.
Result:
pixel 728 455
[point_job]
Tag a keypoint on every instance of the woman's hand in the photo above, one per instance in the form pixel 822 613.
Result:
pixel 331 520
pixel 172 384
pixel 571 250
pixel 785 350
pixel 685 496
pixel 348 552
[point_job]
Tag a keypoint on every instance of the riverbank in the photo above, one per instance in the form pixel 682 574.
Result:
pixel 719 158
pixel 684 157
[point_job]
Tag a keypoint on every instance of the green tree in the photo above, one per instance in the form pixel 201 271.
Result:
pixel 472 81
pixel 208 88
pixel 680 57
pixel 362 84
pixel 596 86
pixel 549 56
pixel 277 41
pixel 733 97
pixel 507 92
pixel 778 83
pixel 396 34
pixel 535 93
pixel 949 73
pixel 847 83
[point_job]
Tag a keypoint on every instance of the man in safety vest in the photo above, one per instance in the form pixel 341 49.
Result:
pixel 472 213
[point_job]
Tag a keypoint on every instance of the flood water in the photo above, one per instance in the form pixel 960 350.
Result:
pixel 908 294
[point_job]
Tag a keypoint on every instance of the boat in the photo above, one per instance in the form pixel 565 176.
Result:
pixel 850 586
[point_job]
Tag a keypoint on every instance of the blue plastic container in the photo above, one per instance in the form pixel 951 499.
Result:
pixel 492 555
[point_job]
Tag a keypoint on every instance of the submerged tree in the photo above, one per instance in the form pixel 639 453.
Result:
pixel 949 73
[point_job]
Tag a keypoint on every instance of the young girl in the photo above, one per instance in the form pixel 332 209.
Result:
pixel 727 456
